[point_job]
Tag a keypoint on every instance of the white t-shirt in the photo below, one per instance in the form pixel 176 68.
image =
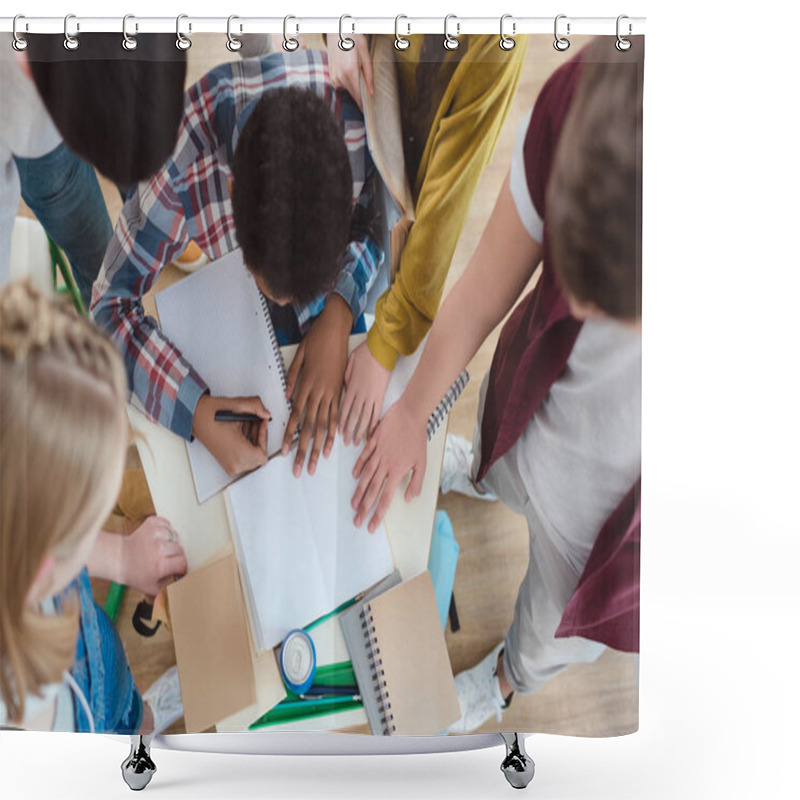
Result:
pixel 26 130
pixel 581 452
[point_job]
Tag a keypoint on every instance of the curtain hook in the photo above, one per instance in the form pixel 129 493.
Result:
pixel 129 42
pixel 560 42
pixel 506 42
pixel 400 42
pixel 290 44
pixel 233 44
pixel 451 42
pixel 19 43
pixel 71 42
pixel 623 44
pixel 345 43
pixel 182 42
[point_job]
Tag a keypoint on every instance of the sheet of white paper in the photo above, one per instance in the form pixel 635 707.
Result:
pixel 216 319
pixel 299 553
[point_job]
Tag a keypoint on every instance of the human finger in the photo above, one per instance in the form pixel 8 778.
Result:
pixel 363 423
pixel 371 495
pixel 366 454
pixel 363 484
pixel 332 422
pixel 415 484
pixel 306 433
pixel 353 418
pixel 383 504
pixel 323 417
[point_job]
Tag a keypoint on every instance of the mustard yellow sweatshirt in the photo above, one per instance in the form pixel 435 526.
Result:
pixel 458 114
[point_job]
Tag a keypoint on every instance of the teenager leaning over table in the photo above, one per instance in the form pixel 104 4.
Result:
pixel 63 437
pixel 272 160
pixel 453 104
pixel 61 119
pixel 559 433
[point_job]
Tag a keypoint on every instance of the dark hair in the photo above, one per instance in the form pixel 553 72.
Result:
pixel 118 109
pixel 594 217
pixel 292 193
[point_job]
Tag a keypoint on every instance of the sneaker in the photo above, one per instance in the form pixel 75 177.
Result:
pixel 192 258
pixel 479 695
pixel 164 698
pixel 457 470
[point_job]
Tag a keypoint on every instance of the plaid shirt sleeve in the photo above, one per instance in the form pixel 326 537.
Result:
pixel 364 255
pixel 156 223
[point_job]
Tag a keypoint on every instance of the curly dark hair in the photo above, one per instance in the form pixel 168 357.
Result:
pixel 292 194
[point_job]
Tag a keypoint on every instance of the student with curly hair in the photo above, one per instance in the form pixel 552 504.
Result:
pixel 272 159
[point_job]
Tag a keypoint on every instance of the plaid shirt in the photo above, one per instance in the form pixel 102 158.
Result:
pixel 188 199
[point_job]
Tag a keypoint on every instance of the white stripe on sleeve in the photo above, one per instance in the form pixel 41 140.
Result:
pixel 519 185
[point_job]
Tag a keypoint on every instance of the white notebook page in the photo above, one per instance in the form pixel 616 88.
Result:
pixel 299 553
pixel 216 319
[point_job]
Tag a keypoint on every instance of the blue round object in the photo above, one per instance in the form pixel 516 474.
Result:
pixel 298 661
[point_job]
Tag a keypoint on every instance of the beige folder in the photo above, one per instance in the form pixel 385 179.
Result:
pixel 209 626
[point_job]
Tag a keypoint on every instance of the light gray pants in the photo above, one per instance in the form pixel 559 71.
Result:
pixel 532 653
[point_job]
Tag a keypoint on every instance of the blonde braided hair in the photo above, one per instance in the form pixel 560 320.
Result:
pixel 62 419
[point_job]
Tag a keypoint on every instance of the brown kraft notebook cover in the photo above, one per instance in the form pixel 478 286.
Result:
pixel 413 685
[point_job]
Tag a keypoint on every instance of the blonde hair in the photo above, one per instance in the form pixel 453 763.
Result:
pixel 62 393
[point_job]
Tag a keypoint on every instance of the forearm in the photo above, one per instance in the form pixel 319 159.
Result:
pixel 496 275
pixel 107 560
pixel 161 379
pixel 165 383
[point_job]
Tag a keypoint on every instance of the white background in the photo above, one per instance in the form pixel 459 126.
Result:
pixel 720 603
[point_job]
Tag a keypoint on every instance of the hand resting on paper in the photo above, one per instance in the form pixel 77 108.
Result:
pixel 365 386
pixel 399 445
pixel 346 66
pixel 239 447
pixel 315 380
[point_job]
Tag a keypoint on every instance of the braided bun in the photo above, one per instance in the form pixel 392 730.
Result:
pixel 32 323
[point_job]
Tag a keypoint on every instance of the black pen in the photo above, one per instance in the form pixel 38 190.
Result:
pixel 226 415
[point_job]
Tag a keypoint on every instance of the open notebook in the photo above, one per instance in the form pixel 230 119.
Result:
pixel 220 322
pixel 300 556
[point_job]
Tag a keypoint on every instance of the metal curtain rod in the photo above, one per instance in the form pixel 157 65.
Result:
pixel 407 26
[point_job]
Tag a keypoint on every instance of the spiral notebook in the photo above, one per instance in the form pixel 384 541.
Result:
pixel 400 659
pixel 220 322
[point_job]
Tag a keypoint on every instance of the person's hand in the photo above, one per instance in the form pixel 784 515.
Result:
pixel 239 447
pixel 152 556
pixel 317 374
pixel 399 445
pixel 346 66
pixel 365 381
